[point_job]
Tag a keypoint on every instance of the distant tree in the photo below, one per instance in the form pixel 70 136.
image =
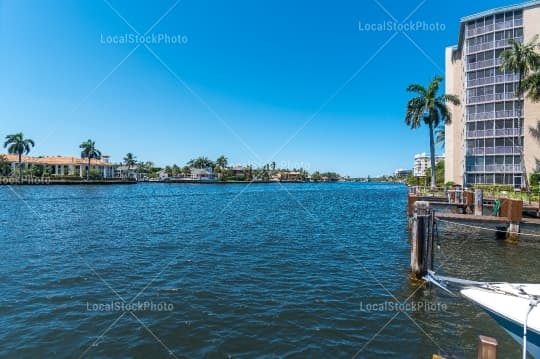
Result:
pixel 130 160
pixel 175 170
pixel 439 173
pixel 90 152
pixel 18 145
pixel 221 165
pixel 5 167
pixel 201 162
pixel 431 109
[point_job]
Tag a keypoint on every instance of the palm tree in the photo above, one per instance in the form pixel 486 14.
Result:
pixel 522 59
pixel 18 145
pixel 201 162
pixel 89 151
pixel 426 106
pixel 531 85
pixel 440 133
pixel 221 164
pixel 130 160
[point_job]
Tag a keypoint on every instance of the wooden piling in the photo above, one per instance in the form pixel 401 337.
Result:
pixel 487 347
pixel 515 214
pixel 422 240
pixel 478 202
pixel 411 199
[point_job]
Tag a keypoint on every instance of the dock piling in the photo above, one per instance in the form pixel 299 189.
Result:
pixel 487 347
pixel 515 214
pixel 422 239
pixel 478 202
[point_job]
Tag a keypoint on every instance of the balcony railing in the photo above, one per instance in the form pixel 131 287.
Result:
pixel 491 27
pixel 494 168
pixel 493 80
pixel 499 132
pixel 493 115
pixel 491 97
pixel 499 150
pixel 490 45
pixel 483 64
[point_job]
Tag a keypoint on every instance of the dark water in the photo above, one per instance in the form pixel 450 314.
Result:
pixel 234 271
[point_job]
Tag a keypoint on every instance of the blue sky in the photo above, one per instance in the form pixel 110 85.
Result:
pixel 305 84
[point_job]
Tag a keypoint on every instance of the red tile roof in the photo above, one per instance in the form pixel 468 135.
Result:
pixel 56 160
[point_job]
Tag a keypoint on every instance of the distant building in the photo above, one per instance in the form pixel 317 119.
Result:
pixel 402 173
pixel 202 174
pixel 63 166
pixel 422 162
pixel 239 172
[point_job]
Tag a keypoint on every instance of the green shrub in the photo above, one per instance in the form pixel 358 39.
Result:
pixel 534 179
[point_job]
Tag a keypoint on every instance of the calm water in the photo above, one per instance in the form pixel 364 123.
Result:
pixel 233 271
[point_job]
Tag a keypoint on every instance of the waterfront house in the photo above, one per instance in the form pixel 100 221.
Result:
pixel 239 172
pixel 63 165
pixel 202 174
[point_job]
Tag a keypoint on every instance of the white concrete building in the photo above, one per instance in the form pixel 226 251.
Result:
pixel 422 162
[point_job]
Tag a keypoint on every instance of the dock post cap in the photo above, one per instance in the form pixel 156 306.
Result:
pixel 487 340
pixel 421 204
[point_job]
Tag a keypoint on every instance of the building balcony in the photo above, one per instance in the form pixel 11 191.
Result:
pixel 492 27
pixel 492 80
pixel 499 150
pixel 495 168
pixel 499 132
pixel 484 64
pixel 493 115
pixel 491 97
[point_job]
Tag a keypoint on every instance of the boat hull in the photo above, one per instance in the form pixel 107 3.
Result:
pixel 509 309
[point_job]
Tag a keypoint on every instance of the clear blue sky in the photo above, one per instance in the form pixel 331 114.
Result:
pixel 257 72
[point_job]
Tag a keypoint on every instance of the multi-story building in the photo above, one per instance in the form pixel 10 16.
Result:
pixel 422 162
pixel 402 173
pixel 488 140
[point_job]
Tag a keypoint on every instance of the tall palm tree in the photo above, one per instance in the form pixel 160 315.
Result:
pixel 426 106
pixel 89 151
pixel 522 59
pixel 18 145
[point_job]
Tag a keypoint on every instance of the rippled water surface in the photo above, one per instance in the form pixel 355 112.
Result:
pixel 296 270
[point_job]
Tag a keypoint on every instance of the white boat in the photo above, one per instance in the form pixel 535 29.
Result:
pixel 515 307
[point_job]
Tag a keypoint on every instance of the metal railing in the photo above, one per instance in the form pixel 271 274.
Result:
pixel 498 150
pixel 494 115
pixel 484 64
pixel 494 168
pixel 493 80
pixel 492 27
